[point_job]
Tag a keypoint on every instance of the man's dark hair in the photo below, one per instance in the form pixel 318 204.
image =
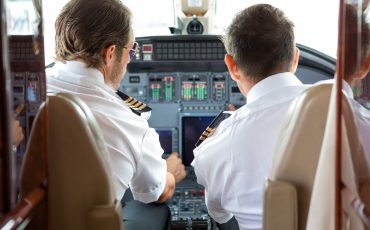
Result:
pixel 261 41
pixel 85 27
pixel 356 47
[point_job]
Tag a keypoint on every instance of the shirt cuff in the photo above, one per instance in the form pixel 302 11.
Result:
pixel 152 195
pixel 220 218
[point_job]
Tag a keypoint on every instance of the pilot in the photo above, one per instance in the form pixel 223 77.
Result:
pixel 94 44
pixel 233 162
pixel 356 69
pixel 17 130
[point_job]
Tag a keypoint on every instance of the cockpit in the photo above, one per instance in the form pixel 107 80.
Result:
pixel 179 71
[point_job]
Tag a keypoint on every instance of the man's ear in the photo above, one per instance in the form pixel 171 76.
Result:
pixel 108 55
pixel 365 67
pixel 232 67
pixel 294 65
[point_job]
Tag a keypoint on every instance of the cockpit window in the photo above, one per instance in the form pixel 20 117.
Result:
pixel 21 17
pixel 316 21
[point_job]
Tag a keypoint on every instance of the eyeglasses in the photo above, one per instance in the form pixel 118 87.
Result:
pixel 132 52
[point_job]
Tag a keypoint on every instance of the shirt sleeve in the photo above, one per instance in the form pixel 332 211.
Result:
pixel 150 178
pixel 216 211
pixel 213 199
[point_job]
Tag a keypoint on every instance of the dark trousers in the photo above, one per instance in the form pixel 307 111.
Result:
pixel 140 216
pixel 232 224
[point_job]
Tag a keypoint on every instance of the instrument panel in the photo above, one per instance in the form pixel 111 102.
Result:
pixel 189 91
pixel 28 83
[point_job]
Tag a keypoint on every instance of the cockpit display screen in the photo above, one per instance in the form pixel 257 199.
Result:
pixel 192 128
pixel 165 138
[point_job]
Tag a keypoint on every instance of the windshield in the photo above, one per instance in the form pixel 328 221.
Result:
pixel 316 21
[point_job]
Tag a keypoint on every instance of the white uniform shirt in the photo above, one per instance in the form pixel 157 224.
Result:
pixel 134 148
pixel 362 116
pixel 232 164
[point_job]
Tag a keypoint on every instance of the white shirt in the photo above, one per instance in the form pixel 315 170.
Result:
pixel 362 116
pixel 232 164
pixel 134 148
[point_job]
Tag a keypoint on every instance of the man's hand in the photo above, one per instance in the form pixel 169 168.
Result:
pixel 17 130
pixel 231 107
pixel 175 166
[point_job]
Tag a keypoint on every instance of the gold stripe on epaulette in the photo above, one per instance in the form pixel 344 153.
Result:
pixel 138 107
pixel 136 104
pixel 142 106
pixel 128 100
pixel 209 129
pixel 139 104
pixel 131 103
pixel 205 132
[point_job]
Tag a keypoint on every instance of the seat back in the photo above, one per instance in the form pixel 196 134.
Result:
pixel 67 149
pixel 355 178
pixel 289 187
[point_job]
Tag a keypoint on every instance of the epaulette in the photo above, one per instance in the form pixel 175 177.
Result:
pixel 212 127
pixel 136 106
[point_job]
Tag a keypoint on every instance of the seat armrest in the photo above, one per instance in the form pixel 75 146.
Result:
pixel 280 206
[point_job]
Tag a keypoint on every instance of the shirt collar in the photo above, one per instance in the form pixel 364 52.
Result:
pixel 80 74
pixel 347 89
pixel 271 83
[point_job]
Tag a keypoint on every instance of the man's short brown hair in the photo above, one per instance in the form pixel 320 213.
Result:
pixel 85 27
pixel 356 40
pixel 261 41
